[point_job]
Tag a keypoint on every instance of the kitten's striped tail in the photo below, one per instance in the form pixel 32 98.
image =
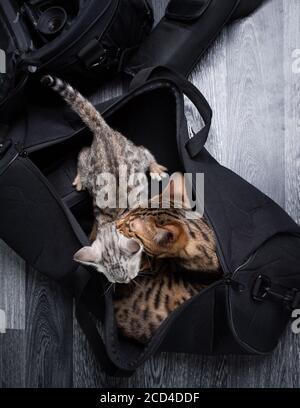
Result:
pixel 87 112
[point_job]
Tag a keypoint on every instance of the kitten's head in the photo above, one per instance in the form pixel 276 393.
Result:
pixel 170 232
pixel 162 230
pixel 113 254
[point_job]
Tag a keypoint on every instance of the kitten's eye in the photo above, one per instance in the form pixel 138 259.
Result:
pixel 162 223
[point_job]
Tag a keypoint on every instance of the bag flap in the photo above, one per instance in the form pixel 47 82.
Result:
pixel 187 10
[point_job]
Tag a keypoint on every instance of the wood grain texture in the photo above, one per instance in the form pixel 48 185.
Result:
pixel 255 99
pixel 291 13
pixel 49 333
pixel 247 78
pixel 12 359
pixel 12 287
pixel 292 108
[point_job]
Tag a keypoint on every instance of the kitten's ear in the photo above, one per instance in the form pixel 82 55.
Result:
pixel 129 245
pixel 86 255
pixel 176 191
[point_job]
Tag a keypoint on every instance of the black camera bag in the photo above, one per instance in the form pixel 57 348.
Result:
pixel 44 220
pixel 96 37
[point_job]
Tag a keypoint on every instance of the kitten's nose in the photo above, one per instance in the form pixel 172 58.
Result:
pixel 123 280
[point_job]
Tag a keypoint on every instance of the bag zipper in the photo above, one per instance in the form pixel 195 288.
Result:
pixel 228 278
pixel 228 275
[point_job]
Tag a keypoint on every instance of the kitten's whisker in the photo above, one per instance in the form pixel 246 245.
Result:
pixel 108 289
pixel 144 274
pixel 136 283
pixel 150 259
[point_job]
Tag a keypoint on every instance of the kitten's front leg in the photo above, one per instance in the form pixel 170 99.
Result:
pixel 157 171
pixel 77 183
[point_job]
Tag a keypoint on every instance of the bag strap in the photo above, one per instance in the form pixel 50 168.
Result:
pixel 197 142
pixel 78 282
pixel 96 342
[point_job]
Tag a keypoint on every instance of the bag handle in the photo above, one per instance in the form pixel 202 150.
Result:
pixel 78 283
pixel 96 342
pixel 197 142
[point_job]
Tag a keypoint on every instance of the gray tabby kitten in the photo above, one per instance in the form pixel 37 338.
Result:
pixel 111 253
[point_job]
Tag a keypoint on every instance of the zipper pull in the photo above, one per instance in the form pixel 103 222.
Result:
pixel 20 148
pixel 24 154
pixel 239 287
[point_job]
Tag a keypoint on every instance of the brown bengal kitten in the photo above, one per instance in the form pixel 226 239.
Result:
pixel 141 308
pixel 172 232
pixel 171 240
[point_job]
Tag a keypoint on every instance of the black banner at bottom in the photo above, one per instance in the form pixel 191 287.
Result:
pixel 134 397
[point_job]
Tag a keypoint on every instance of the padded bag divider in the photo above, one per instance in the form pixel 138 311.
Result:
pixel 185 32
pixel 94 44
pixel 14 41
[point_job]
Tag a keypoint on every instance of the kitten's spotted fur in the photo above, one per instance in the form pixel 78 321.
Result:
pixel 109 150
pixel 140 309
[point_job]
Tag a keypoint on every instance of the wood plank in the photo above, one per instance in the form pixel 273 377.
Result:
pixel 210 78
pixel 292 107
pixel 49 333
pixel 292 153
pixel 12 287
pixel 255 137
pixel 12 359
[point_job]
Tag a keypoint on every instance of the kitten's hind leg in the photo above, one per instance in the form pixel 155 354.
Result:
pixel 77 182
pixel 157 171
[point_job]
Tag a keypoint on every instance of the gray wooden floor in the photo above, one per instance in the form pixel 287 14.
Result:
pixel 247 77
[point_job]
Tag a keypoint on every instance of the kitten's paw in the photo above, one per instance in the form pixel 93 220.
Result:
pixel 77 183
pixel 157 171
